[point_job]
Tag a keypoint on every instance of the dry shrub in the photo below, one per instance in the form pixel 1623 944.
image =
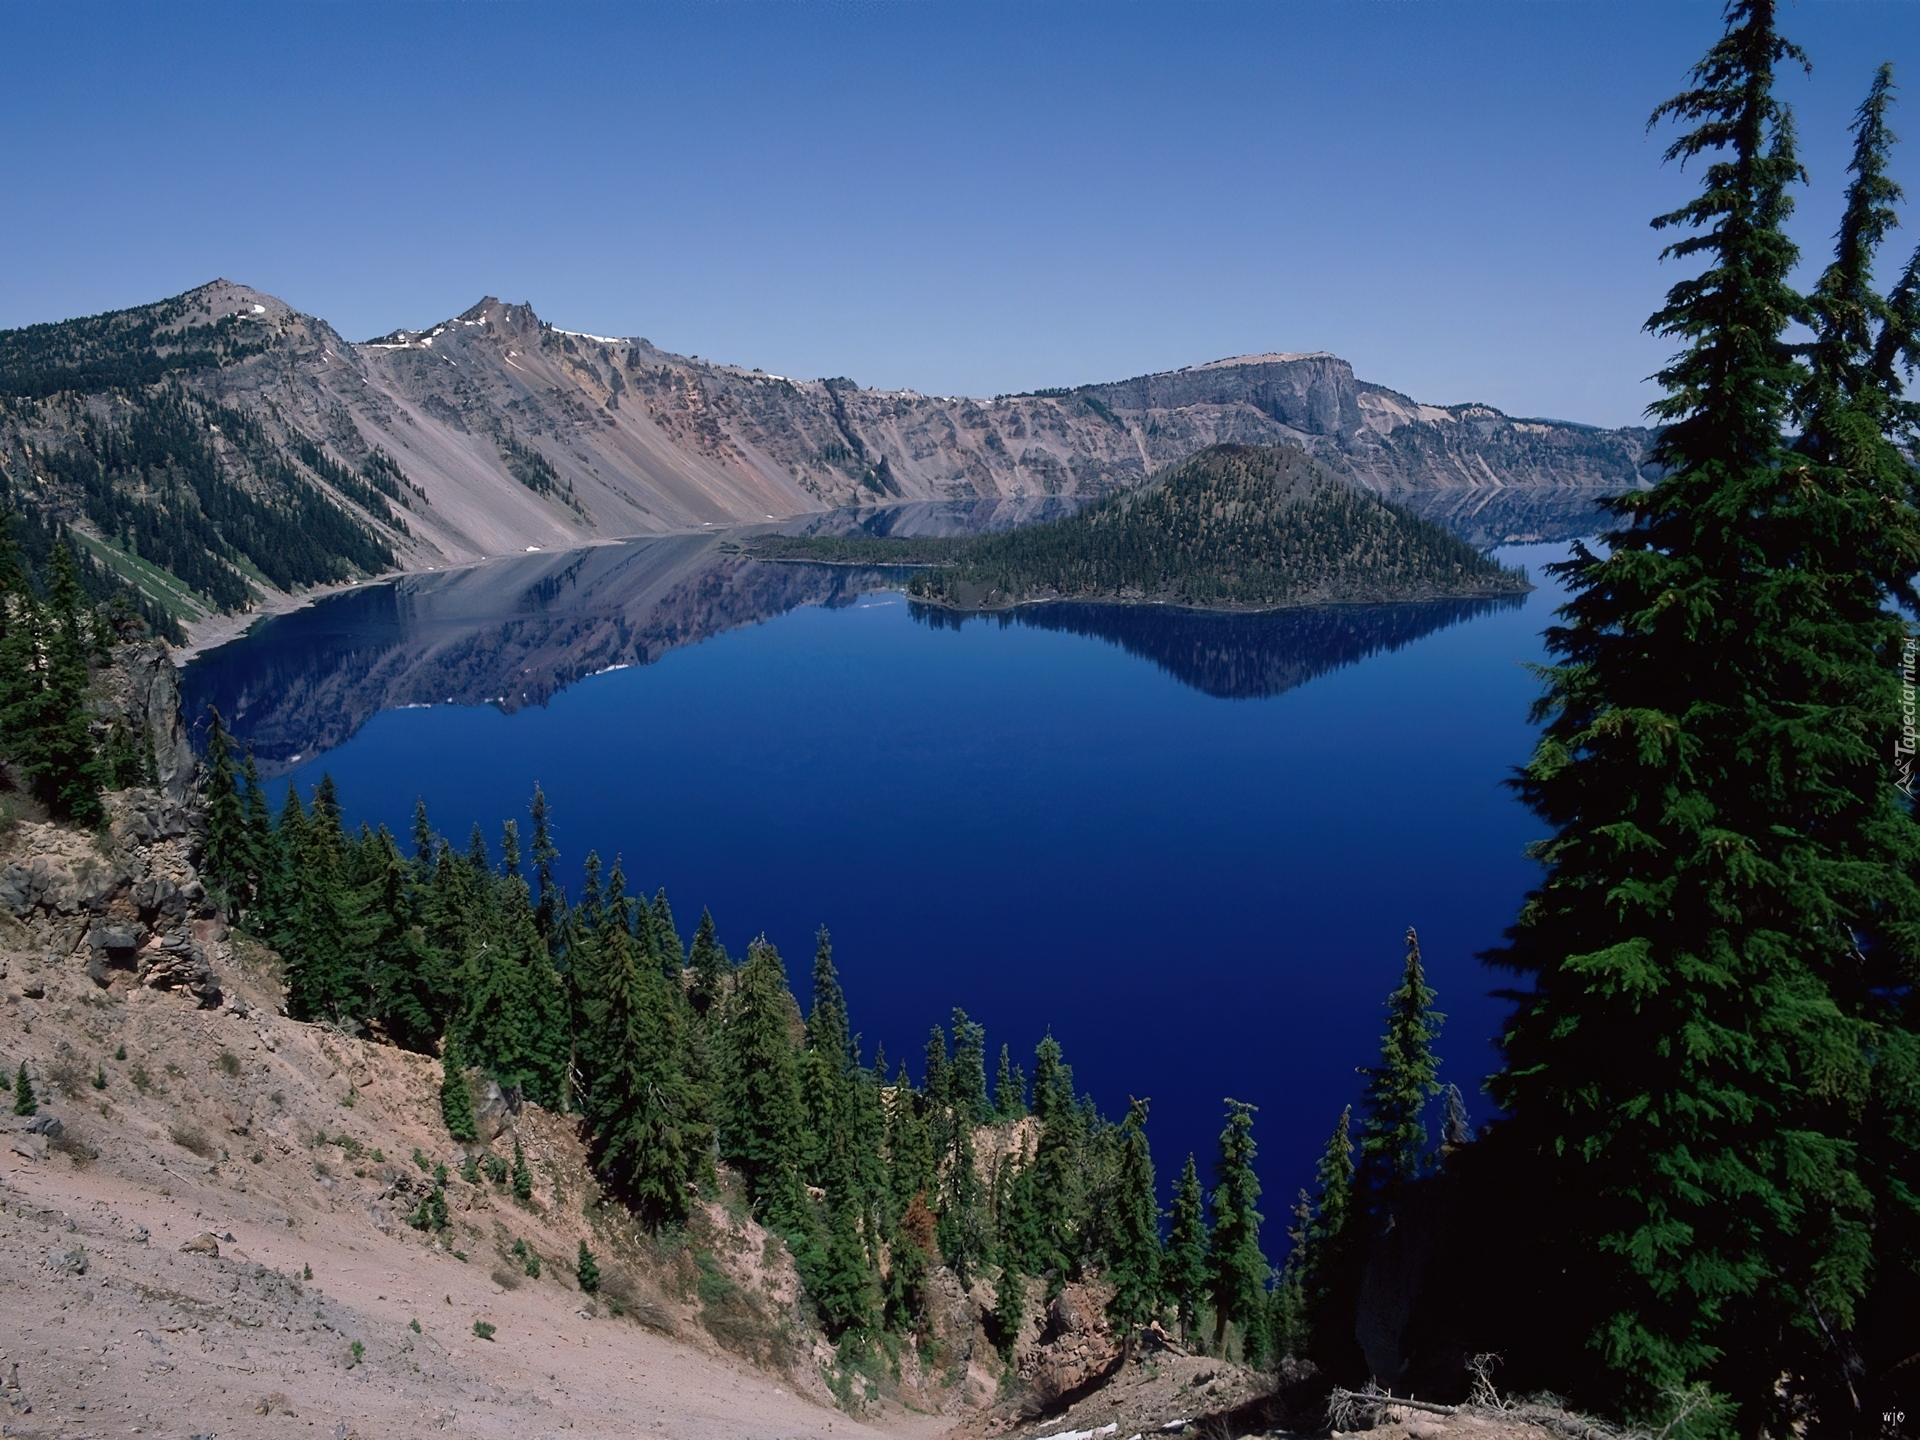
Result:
pixel 505 1278
pixel 67 1075
pixel 70 1143
pixel 192 1137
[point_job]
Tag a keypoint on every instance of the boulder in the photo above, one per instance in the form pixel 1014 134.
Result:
pixel 205 1243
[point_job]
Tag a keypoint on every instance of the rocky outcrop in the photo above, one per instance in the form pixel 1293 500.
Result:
pixel 124 909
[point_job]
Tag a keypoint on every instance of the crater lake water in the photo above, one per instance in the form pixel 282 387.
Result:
pixel 1188 845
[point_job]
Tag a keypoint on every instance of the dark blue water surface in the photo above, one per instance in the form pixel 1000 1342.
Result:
pixel 1189 845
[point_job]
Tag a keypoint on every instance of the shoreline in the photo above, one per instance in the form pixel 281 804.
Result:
pixel 221 629
pixel 1123 603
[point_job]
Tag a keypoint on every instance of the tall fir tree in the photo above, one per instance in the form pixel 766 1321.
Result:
pixel 710 965
pixel 1237 1271
pixel 1330 1267
pixel 763 1127
pixel 649 1140
pixel 1183 1273
pixel 1009 1088
pixel 1393 1134
pixel 1690 1072
pixel 1133 1261
pixel 226 858
pixel 456 1102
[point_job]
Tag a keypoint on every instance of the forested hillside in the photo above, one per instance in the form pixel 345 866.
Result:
pixel 1236 527
pixel 176 504
pixel 674 1054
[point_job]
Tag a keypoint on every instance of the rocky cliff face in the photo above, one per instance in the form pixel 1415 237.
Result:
pixel 504 433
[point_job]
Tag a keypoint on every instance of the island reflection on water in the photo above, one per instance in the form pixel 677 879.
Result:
pixel 516 632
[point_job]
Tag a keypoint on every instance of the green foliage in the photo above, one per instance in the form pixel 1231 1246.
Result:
pixel 23 1101
pixel 586 1270
pixel 1183 1273
pixel 456 1102
pixel 1708 1076
pixel 522 1174
pixel 482 1329
pixel 1237 1270
pixel 1328 1265
pixel 1009 1308
pixel 1393 1135
pixel 1133 1261
pixel 1235 526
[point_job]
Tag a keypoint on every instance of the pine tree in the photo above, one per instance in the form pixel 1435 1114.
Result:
pixel 23 1101
pixel 1009 1088
pixel 1393 1136
pixel 1690 1072
pixel 1133 1262
pixel 323 921
pixel 422 836
pixel 648 1139
pixel 710 967
pixel 46 726
pixel 587 1270
pixel 1009 1306
pixel 968 1083
pixel 407 989
pixel 762 1131
pixel 1052 1080
pixel 1330 1267
pixel 226 845
pixel 673 953
pixel 522 1174
pixel 1183 1273
pixel 456 1102
pixel 549 900
pixel 1287 1306
pixel 1237 1271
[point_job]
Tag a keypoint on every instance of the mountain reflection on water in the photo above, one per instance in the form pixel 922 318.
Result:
pixel 516 631
pixel 1241 657
pixel 509 634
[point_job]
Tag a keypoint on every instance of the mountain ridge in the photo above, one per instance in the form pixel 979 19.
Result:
pixel 495 432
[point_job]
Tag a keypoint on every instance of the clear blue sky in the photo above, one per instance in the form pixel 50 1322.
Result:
pixel 960 199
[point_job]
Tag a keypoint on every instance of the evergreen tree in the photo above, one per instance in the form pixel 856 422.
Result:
pixel 522 1174
pixel 456 1102
pixel 549 900
pixel 587 1270
pixel 1693 1068
pixel 1393 1136
pixel 322 918
pixel 1133 1264
pixel 258 823
pixel 48 734
pixel 407 989
pixel 1183 1273
pixel 1237 1271
pixel 710 967
pixel 422 836
pixel 648 1139
pixel 1052 1080
pixel 23 1101
pixel 1329 1270
pixel 968 1083
pixel 826 1090
pixel 673 953
pixel 760 1106
pixel 226 845
pixel 1009 1088
pixel 1287 1305
pixel 1009 1306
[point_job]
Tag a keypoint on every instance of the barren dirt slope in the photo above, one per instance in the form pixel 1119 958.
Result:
pixel 180 1254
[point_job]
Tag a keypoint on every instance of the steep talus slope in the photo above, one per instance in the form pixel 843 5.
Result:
pixel 220 450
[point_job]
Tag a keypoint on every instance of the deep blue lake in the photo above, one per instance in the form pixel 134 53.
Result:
pixel 1189 845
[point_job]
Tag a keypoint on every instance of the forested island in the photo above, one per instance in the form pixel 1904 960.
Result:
pixel 1235 527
